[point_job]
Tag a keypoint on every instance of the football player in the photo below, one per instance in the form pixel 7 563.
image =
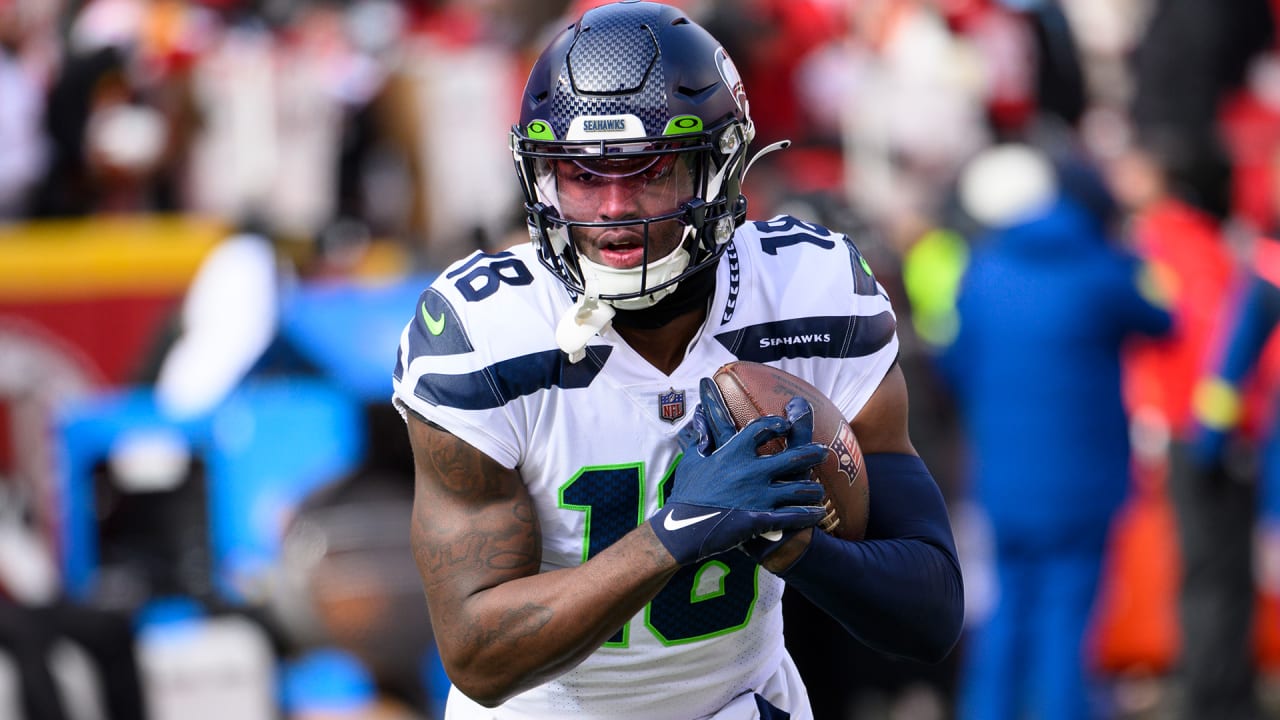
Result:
pixel 591 544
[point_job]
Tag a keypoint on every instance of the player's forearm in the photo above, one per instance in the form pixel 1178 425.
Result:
pixel 900 591
pixel 901 597
pixel 527 631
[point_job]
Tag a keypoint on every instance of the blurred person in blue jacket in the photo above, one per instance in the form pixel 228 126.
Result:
pixel 1044 307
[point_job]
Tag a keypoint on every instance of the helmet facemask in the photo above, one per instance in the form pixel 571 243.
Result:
pixel 673 201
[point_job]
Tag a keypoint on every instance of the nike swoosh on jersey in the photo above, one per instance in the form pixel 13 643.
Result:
pixel 435 326
pixel 671 524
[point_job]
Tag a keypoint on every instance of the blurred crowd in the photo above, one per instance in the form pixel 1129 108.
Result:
pixel 1073 204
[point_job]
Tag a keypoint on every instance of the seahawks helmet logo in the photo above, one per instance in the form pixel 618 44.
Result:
pixel 606 125
pixel 732 79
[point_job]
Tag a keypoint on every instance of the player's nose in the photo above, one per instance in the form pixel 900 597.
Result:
pixel 616 201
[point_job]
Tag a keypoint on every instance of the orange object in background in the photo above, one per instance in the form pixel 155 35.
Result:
pixel 1135 629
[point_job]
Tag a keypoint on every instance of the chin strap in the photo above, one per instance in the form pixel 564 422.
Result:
pixel 580 323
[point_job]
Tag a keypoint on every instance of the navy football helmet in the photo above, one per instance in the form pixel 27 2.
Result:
pixel 633 91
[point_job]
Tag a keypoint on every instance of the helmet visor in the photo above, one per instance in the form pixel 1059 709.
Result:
pixel 595 189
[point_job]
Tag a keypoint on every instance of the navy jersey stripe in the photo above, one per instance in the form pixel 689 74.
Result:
pixel 830 337
pixel 502 382
pixel 864 283
pixel 436 329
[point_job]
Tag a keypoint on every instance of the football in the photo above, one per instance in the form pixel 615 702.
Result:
pixel 753 389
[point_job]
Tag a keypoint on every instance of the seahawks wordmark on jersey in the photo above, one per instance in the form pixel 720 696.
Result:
pixel 597 439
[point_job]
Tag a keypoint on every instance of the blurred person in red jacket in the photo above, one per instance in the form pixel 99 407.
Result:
pixel 1185 247
pixel 1215 596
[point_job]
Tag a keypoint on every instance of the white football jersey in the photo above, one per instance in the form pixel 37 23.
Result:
pixel 595 443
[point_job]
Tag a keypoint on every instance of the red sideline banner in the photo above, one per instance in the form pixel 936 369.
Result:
pixel 101 287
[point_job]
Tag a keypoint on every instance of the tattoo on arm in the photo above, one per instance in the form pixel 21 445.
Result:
pixel 460 469
pixel 515 625
pixel 478 549
pixel 474 518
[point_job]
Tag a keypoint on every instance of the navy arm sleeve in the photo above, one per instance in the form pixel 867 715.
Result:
pixel 899 591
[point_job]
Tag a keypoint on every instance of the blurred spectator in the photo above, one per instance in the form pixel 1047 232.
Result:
pixel 460 85
pixel 1060 82
pixel 907 75
pixel 66 189
pixel 1187 248
pixel 1218 500
pixel 1006 45
pixel 1106 33
pixel 274 107
pixel 364 119
pixel 23 151
pixel 1044 308
pixel 39 626
pixel 119 113
pixel 1030 61
pixel 1251 126
pixel 1192 54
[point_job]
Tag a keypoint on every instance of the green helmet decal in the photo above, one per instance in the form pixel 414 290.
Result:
pixel 539 130
pixel 682 124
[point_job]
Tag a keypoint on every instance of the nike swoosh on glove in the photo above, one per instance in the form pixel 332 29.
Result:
pixel 724 493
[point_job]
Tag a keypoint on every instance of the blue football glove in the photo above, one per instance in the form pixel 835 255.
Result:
pixel 800 415
pixel 723 493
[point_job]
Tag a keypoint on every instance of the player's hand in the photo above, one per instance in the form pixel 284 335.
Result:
pixel 762 547
pixel 724 494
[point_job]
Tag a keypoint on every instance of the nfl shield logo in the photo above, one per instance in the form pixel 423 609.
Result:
pixel 671 405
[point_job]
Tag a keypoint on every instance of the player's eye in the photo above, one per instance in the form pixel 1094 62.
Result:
pixel 572 172
pixel 660 169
